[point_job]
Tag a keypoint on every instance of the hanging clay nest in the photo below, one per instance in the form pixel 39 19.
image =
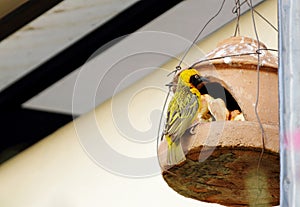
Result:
pixel 226 162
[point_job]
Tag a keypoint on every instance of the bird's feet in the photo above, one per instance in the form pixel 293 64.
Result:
pixel 192 128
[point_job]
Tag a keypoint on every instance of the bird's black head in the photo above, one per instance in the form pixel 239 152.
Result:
pixel 198 81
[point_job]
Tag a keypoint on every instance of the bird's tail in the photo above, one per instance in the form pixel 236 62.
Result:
pixel 175 153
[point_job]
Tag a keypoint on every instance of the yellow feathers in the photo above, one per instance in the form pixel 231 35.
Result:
pixel 187 105
pixel 182 111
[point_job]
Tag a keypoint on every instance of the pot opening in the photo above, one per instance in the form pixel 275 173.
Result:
pixel 229 109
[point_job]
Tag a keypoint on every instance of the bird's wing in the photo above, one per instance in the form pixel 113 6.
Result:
pixel 181 115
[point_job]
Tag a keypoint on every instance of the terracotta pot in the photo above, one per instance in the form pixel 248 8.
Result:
pixel 226 161
pixel 240 75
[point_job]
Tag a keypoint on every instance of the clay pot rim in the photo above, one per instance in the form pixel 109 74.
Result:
pixel 228 126
pixel 247 137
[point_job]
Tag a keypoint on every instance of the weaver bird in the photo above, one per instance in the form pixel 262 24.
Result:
pixel 182 112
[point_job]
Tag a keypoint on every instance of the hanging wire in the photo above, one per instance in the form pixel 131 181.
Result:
pixel 237 10
pixel 233 55
pixel 238 6
pixel 198 35
pixel 257 70
pixel 178 67
pixel 263 135
pixel 261 16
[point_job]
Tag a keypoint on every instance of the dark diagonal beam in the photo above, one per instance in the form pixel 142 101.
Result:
pixel 23 15
pixel 77 54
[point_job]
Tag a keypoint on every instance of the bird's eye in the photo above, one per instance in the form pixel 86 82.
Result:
pixel 195 80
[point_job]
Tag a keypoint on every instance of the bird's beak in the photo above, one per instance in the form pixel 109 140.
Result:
pixel 202 81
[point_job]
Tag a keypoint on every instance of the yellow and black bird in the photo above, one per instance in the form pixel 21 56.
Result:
pixel 182 112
